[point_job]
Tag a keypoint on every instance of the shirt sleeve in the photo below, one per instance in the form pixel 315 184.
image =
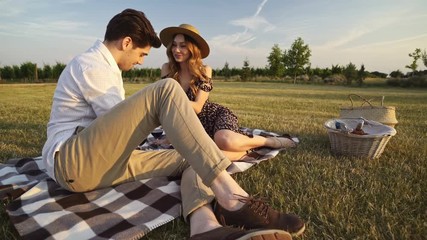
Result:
pixel 102 89
pixel 206 85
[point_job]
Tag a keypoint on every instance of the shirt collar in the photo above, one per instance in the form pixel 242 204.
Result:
pixel 107 55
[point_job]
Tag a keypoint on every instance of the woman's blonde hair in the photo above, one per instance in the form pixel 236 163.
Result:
pixel 195 64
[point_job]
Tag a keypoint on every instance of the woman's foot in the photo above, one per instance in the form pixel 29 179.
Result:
pixel 282 142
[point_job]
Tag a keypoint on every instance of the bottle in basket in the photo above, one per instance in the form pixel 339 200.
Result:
pixel 358 130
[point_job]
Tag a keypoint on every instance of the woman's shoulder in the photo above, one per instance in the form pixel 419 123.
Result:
pixel 207 68
pixel 165 69
pixel 165 65
pixel 208 71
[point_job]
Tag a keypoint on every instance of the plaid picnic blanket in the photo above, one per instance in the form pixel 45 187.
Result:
pixel 41 209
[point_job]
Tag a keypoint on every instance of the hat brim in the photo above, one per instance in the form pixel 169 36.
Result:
pixel 167 35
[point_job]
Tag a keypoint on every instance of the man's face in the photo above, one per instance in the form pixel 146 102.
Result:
pixel 133 56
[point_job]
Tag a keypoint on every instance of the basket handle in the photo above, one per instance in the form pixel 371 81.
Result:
pixel 364 100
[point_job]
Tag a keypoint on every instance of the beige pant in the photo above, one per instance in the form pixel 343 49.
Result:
pixel 103 154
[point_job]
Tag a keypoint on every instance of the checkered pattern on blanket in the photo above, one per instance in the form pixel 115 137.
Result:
pixel 41 209
pixel 47 211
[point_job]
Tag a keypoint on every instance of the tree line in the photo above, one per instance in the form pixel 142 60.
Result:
pixel 291 64
pixel 29 72
pixel 296 62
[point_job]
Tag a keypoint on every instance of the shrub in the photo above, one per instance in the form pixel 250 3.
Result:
pixel 394 82
pixel 335 79
pixel 416 82
pixel 315 79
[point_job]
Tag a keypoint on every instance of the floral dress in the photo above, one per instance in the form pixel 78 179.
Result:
pixel 214 116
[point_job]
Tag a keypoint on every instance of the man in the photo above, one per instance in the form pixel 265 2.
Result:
pixel 93 133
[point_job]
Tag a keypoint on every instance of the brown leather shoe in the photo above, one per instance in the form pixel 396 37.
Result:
pixel 229 233
pixel 257 214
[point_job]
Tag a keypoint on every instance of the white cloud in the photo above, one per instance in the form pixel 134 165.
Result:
pixel 235 55
pixel 384 56
pixel 260 8
pixel 236 39
pixel 44 28
pixel 366 25
pixel 234 43
pixel 10 8
pixel 62 26
pixel 254 24
pixel 248 41
pixel 421 38
pixel 72 1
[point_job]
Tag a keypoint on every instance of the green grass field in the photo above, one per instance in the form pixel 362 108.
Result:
pixel 338 197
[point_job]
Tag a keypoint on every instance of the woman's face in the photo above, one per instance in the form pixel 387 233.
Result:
pixel 180 50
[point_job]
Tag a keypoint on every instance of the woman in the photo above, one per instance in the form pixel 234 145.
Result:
pixel 185 50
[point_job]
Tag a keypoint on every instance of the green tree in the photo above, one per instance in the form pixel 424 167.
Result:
pixel 226 71
pixel 8 73
pixel 28 71
pixel 245 75
pixel 235 71
pixel 350 72
pixel 308 70
pixel 361 75
pixel 57 70
pixel 40 74
pixel 396 74
pixel 17 71
pixel 261 72
pixel 297 58
pixel 323 73
pixel 424 57
pixel 275 62
pixel 47 72
pixel 151 74
pixel 416 55
pixel 336 69
pixel 378 74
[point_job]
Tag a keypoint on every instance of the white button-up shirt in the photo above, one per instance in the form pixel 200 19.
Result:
pixel 89 86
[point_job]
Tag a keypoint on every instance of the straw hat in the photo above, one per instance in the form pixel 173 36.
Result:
pixel 167 34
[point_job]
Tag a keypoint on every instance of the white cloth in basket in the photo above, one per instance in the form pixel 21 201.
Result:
pixel 372 128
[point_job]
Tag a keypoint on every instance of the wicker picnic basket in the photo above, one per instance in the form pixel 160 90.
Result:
pixel 369 146
pixel 383 114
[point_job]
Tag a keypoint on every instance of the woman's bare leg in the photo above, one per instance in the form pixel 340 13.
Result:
pixel 234 156
pixel 230 141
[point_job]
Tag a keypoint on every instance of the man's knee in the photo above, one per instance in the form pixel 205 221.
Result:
pixel 168 83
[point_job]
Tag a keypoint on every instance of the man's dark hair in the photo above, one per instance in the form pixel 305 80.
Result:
pixel 132 23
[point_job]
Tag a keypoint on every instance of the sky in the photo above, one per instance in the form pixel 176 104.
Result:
pixel 376 33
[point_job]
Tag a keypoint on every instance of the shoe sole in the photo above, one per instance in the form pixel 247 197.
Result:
pixel 296 234
pixel 271 234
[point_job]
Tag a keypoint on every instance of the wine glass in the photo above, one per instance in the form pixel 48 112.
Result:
pixel 157 134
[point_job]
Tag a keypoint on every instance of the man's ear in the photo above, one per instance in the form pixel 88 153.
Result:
pixel 127 43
